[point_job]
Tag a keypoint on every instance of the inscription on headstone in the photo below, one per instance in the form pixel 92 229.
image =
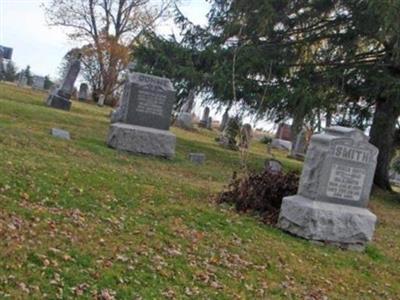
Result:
pixel 147 101
pixel 141 122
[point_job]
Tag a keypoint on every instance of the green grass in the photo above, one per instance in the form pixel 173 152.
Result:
pixel 78 219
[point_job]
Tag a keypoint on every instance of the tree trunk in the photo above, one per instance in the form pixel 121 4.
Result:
pixel 297 125
pixel 382 136
pixel 328 117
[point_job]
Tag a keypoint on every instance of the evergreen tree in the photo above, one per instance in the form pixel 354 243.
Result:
pixel 10 73
pixel 47 83
pixel 304 60
pixel 28 75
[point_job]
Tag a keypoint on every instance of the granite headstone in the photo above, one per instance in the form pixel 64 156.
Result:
pixel 204 119
pixel 38 82
pixel 142 121
pixel 224 121
pixel 83 92
pixel 334 190
pixel 197 158
pixel 209 123
pixel 60 98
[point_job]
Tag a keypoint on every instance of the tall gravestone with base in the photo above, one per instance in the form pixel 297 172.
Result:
pixel 334 190
pixel 60 97
pixel 141 123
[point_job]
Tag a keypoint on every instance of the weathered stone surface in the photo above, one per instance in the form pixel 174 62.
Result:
pixel 146 101
pixel 184 120
pixel 339 167
pixel 334 190
pixel 273 165
pixel 83 92
pixel 59 102
pixel 100 101
pixel 338 224
pixel 59 98
pixel 209 123
pixel 59 133
pixel 38 82
pixel 144 140
pixel 204 119
pixel 224 121
pixel 284 132
pixel 197 158
pixel 281 144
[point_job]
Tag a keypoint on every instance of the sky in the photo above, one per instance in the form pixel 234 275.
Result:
pixel 23 27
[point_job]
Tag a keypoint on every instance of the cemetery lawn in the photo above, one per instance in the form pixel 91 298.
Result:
pixel 80 220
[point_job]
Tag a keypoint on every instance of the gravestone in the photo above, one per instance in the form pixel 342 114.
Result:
pixel 224 121
pixel 204 119
pixel 284 132
pixel 273 165
pixel 184 119
pixel 22 79
pixel 100 101
pixel 334 190
pixel 209 123
pixel 281 144
pixel 60 98
pixel 141 123
pixel 61 134
pixel 38 82
pixel 197 158
pixel 300 146
pixel 83 92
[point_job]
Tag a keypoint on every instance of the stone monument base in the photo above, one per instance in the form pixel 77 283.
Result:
pixel 56 101
pixel 184 120
pixel 144 140
pixel 341 225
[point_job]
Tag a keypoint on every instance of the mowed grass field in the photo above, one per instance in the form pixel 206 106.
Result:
pixel 79 220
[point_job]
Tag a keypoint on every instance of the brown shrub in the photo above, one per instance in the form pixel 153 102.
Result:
pixel 261 193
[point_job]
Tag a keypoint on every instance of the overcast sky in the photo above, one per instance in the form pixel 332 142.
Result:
pixel 23 27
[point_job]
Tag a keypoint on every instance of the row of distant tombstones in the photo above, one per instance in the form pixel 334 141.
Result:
pixel 331 203
pixel 39 83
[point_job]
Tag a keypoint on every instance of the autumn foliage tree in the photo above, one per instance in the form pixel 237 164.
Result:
pixel 104 30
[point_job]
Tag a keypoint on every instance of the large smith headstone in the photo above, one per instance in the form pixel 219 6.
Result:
pixel 334 190
pixel 60 98
pixel 142 121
